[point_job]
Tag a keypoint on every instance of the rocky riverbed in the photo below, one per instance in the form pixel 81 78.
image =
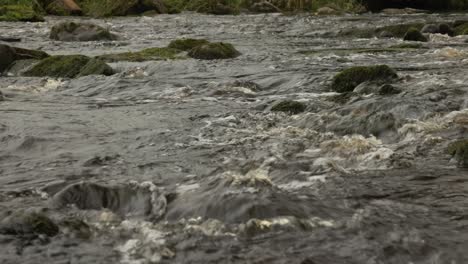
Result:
pixel 184 161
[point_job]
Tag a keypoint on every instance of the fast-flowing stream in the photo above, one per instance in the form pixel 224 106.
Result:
pixel 191 165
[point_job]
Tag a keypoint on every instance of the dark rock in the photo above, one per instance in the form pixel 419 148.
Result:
pixel 430 28
pixel 28 223
pixel 264 7
pixel 443 28
pixel 414 34
pixel 348 79
pixel 290 107
pixel 213 51
pixel 69 66
pixel 459 150
pixel 186 44
pixel 9 54
pixel 7 57
pixel 388 89
pixel 71 31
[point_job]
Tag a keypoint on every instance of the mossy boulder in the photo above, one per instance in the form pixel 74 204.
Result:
pixel 348 79
pixel 461 28
pixel 72 31
pixel 414 34
pixel 28 223
pixel 9 54
pixel 69 66
pixel 187 44
pixel 214 51
pixel 290 107
pixel 20 13
pixel 459 150
pixel 144 55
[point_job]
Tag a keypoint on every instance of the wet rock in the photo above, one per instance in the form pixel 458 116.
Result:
pixel 213 51
pixel 127 200
pixel 459 150
pixel 63 8
pixel 7 57
pixel 9 54
pixel 28 222
pixel 327 11
pixel 186 44
pixel 461 28
pixel 71 31
pixel 348 79
pixel 264 7
pixel 388 89
pixel 443 28
pixel 414 34
pixel 290 107
pixel 76 228
pixel 69 66
pixel 20 13
pixel 144 55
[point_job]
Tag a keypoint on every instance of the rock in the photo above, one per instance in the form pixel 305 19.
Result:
pixel 414 34
pixel 213 51
pixel 459 150
pixel 220 9
pixel 290 107
pixel 186 44
pixel 75 228
pixel 71 31
pixel 327 11
pixel 386 34
pixel 264 7
pixel 69 66
pixel 63 8
pixel 348 79
pixel 388 89
pixel 443 28
pixel 9 54
pixel 20 13
pixel 28 222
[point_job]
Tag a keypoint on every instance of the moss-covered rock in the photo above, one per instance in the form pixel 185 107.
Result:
pixel 9 54
pixel 72 31
pixel 20 13
pixel 144 55
pixel 290 107
pixel 213 51
pixel 461 28
pixel 28 223
pixel 348 79
pixel 187 44
pixel 414 34
pixel 69 66
pixel 459 150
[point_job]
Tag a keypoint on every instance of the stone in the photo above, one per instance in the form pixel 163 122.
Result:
pixel 213 51
pixel 186 44
pixel 414 34
pixel 459 150
pixel 348 79
pixel 28 222
pixel 9 54
pixel 72 31
pixel 290 107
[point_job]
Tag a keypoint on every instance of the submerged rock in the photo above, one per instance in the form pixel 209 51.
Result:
pixel 26 222
pixel 290 107
pixel 459 150
pixel 187 44
pixel 348 79
pixel 414 34
pixel 72 31
pixel 213 51
pixel 69 66
pixel 142 200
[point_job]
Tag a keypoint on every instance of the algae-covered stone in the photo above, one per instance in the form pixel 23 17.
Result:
pixel 20 13
pixel 72 31
pixel 348 79
pixel 143 55
pixel 213 51
pixel 69 66
pixel 28 223
pixel 414 34
pixel 290 107
pixel 187 44
pixel 459 150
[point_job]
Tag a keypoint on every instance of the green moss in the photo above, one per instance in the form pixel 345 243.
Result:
pixel 459 150
pixel 348 79
pixel 69 66
pixel 213 51
pixel 20 13
pixel 186 44
pixel 144 55
pixel 291 107
pixel 461 29
pixel 414 34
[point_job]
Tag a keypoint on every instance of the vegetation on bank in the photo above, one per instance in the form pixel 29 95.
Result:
pixel 20 11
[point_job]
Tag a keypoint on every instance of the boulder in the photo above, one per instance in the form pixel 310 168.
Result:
pixel 213 51
pixel 459 150
pixel 348 79
pixel 264 7
pixel 186 44
pixel 9 54
pixel 72 31
pixel 414 34
pixel 69 66
pixel 63 8
pixel 28 222
pixel 290 107
pixel 442 28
